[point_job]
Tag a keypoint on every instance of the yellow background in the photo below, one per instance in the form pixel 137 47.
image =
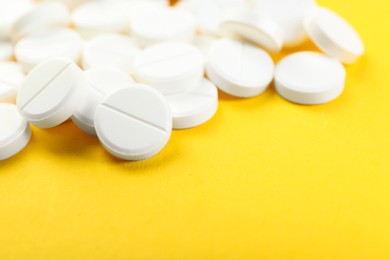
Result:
pixel 265 179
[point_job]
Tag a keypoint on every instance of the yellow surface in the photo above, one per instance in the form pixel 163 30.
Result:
pixel 265 179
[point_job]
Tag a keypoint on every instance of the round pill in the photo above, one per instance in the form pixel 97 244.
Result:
pixel 15 133
pixel 10 12
pixel 195 107
pixel 170 67
pixel 209 13
pixel 110 50
pixel 134 123
pixel 94 18
pixel 51 92
pixel 335 36
pixel 100 83
pixel 289 15
pixel 6 50
pixel 41 46
pixel 249 25
pixel 69 3
pixel 309 78
pixel 41 17
pixel 11 79
pixel 204 42
pixel 163 24
pixel 239 69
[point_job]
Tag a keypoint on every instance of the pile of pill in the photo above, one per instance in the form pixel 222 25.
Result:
pixel 130 71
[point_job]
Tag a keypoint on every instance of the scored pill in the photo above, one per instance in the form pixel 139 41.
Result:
pixel 170 67
pixel 51 92
pixel 134 123
pixel 239 69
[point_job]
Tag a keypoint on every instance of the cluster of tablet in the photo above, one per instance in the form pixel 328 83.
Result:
pixel 130 71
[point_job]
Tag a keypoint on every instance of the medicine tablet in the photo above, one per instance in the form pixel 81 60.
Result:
pixel 156 25
pixel 6 50
pixel 134 123
pixel 41 17
pixel 110 50
pixel 94 18
pixel 309 78
pixel 242 24
pixel 11 79
pixel 289 15
pixel 209 13
pixel 335 36
pixel 51 92
pixel 170 67
pixel 15 133
pixel 239 69
pixel 52 43
pixel 204 42
pixel 10 12
pixel 69 3
pixel 195 107
pixel 100 83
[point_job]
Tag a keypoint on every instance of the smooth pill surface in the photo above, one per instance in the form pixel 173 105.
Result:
pixel 289 15
pixel 209 13
pixel 204 42
pixel 51 92
pixel 6 50
pixel 243 24
pixel 239 69
pixel 41 17
pixel 11 79
pixel 335 36
pixel 161 25
pixel 15 133
pixel 110 50
pixel 195 107
pixel 10 12
pixel 309 78
pixel 100 83
pixel 134 123
pixel 170 67
pixel 41 46
pixel 69 3
pixel 97 17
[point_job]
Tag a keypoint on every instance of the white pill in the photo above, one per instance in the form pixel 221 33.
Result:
pixel 10 12
pixel 51 92
pixel 11 79
pixel 239 69
pixel 52 43
pixel 6 50
pixel 15 133
pixel 94 18
pixel 204 42
pixel 69 3
pixel 100 83
pixel 195 107
pixel 242 24
pixel 170 67
pixel 110 50
pixel 134 123
pixel 335 36
pixel 163 24
pixel 209 13
pixel 309 78
pixel 289 15
pixel 41 17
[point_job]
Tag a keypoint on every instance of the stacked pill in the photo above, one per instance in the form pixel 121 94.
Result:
pixel 131 71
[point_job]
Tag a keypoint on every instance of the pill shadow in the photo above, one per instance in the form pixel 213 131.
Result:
pixel 168 156
pixel 67 140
